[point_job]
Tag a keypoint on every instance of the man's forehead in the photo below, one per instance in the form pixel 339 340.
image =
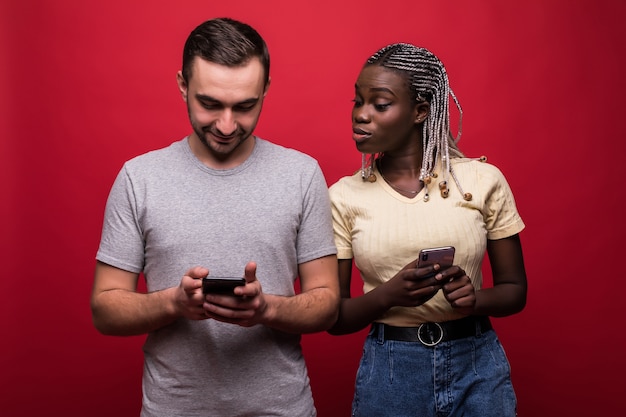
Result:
pixel 228 84
pixel 250 70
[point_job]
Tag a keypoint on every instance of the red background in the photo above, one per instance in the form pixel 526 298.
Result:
pixel 84 86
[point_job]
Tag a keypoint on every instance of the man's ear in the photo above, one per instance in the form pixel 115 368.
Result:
pixel 267 86
pixel 422 110
pixel 182 85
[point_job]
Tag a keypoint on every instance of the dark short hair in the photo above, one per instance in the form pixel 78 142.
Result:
pixel 225 41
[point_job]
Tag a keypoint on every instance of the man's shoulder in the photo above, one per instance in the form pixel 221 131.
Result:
pixel 280 152
pixel 172 151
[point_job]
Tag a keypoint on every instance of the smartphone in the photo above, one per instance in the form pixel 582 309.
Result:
pixel 444 256
pixel 221 285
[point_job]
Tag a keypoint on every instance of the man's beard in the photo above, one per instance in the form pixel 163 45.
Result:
pixel 216 149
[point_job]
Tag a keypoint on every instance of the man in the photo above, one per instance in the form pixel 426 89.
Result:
pixel 220 202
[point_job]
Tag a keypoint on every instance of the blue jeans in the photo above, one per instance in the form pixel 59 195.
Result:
pixel 467 377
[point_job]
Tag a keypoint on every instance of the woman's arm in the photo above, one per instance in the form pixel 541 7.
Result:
pixel 407 288
pixel 508 294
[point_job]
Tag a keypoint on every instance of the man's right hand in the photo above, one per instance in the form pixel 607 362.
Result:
pixel 189 297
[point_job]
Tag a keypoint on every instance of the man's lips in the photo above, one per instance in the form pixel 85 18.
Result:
pixel 222 138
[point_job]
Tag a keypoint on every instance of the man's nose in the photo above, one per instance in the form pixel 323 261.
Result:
pixel 226 123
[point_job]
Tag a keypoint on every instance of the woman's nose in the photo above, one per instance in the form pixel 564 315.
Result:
pixel 360 115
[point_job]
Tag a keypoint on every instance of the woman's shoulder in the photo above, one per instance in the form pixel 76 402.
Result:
pixel 477 167
pixel 351 181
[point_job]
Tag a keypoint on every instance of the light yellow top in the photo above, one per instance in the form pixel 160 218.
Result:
pixel 383 230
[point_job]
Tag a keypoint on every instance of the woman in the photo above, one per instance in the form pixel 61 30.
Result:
pixel 431 349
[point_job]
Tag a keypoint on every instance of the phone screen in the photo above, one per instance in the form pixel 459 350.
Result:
pixel 221 285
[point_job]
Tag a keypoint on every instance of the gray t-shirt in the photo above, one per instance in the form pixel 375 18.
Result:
pixel 168 212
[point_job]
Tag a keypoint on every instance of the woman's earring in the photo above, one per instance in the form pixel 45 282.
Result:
pixel 366 169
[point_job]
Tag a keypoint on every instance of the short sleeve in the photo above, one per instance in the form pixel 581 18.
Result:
pixel 342 224
pixel 121 244
pixel 501 216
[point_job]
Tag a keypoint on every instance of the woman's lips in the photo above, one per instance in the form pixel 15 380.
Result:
pixel 359 135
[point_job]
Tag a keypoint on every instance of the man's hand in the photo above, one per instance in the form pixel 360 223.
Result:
pixel 189 297
pixel 246 308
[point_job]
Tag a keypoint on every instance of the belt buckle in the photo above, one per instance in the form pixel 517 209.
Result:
pixel 428 330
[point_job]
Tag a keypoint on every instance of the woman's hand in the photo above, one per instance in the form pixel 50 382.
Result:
pixel 458 289
pixel 411 286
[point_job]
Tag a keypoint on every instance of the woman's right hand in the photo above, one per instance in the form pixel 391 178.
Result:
pixel 411 286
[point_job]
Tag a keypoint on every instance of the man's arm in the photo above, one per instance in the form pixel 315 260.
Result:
pixel 118 309
pixel 316 307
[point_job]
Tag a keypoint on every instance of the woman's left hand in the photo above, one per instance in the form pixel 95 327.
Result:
pixel 458 289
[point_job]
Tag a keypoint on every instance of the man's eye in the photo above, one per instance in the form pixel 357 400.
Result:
pixel 244 109
pixel 210 106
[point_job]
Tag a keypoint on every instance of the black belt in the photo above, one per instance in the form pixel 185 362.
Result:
pixel 431 334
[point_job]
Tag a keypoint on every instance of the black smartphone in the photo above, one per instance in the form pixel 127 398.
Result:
pixel 221 285
pixel 444 256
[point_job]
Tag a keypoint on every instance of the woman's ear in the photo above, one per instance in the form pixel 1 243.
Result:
pixel 422 110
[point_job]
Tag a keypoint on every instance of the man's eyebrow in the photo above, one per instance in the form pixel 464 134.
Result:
pixel 205 98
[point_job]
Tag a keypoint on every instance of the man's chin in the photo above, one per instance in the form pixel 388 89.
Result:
pixel 222 147
pixel 225 148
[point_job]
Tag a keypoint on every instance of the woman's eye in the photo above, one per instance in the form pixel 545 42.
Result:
pixel 357 103
pixel 382 106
